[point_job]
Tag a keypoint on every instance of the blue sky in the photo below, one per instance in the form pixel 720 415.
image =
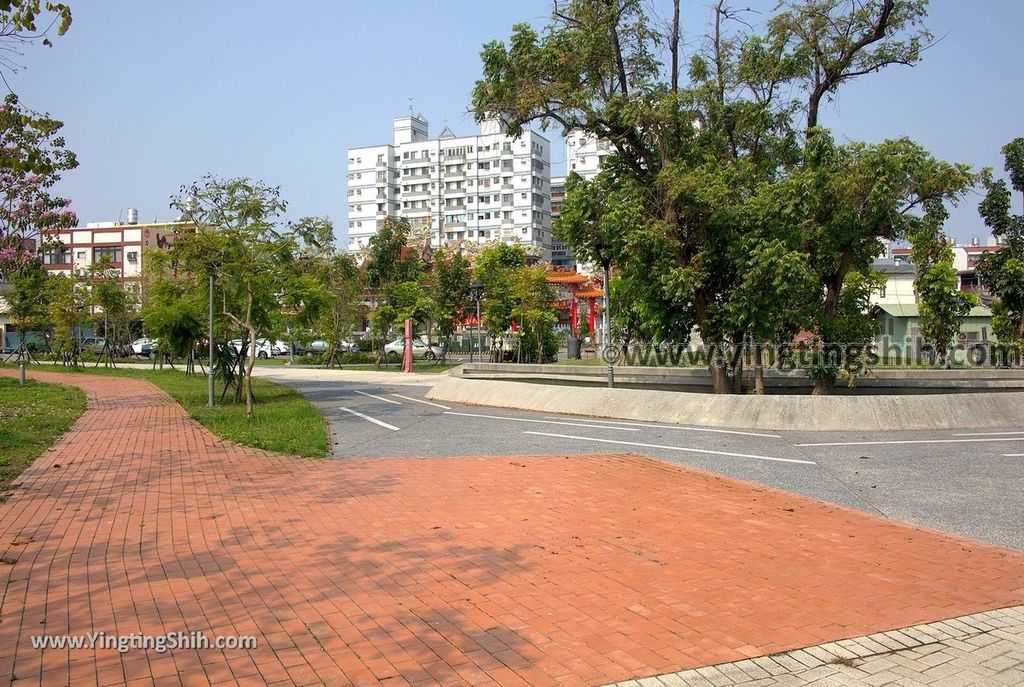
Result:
pixel 156 94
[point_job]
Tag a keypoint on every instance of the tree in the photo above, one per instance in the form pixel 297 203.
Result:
pixel 1002 272
pixel 68 312
pixel 452 276
pixel 232 234
pixel 941 305
pixel 23 22
pixel 394 271
pixel 175 309
pixel 32 158
pixel 324 296
pixel 27 299
pixel 692 160
pixel 843 202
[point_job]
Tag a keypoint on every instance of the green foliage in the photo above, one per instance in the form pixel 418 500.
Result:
pixel 941 305
pixel 514 291
pixel 718 207
pixel 452 276
pixel 394 272
pixel 1002 272
pixel 231 233
pixel 24 21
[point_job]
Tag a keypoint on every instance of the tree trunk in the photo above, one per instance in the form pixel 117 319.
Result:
pixel 823 387
pixel 758 370
pixel 248 372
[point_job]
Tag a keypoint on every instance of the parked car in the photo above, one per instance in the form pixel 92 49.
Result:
pixel 419 349
pixel 321 346
pixel 262 349
pixel 280 347
pixel 144 346
pixel 95 344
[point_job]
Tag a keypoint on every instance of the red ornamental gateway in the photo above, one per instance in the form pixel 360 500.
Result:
pixel 578 286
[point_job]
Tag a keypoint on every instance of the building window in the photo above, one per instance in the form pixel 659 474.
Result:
pixel 57 257
pixel 111 253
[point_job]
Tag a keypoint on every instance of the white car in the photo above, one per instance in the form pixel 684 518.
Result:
pixel 419 349
pixel 281 347
pixel 145 346
pixel 262 349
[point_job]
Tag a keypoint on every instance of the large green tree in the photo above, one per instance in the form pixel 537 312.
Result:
pixel 1002 272
pixel 698 157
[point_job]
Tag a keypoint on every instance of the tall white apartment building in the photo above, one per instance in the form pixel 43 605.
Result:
pixel 478 188
pixel 585 153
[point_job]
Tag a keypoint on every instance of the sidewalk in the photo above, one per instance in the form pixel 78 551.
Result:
pixel 513 571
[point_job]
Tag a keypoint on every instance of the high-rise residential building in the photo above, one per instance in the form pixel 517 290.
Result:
pixel 478 188
pixel 585 153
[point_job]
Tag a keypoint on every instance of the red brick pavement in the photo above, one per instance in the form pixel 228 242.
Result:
pixel 512 571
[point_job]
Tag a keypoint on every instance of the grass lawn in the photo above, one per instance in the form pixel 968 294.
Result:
pixel 283 421
pixel 31 419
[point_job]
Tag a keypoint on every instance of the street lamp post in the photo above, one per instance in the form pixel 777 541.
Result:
pixel 476 292
pixel 209 375
pixel 603 251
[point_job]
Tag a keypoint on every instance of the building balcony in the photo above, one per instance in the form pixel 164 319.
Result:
pixel 448 159
pixel 449 208
pixel 416 194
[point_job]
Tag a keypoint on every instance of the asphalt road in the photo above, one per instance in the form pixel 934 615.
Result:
pixel 969 482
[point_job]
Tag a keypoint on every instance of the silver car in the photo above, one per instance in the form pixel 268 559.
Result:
pixel 419 349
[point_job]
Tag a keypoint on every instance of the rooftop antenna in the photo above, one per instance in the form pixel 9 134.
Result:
pixel 410 106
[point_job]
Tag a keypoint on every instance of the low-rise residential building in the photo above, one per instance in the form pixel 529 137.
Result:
pixel 120 245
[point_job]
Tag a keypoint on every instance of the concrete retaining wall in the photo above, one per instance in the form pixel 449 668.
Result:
pixel 898 381
pixel 779 412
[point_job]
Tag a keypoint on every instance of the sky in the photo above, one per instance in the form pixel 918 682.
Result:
pixel 154 95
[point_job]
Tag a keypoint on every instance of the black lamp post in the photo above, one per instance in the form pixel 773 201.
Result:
pixel 476 292
pixel 603 251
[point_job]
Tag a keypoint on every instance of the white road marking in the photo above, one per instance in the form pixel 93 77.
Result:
pixel 419 400
pixel 685 429
pixel 985 434
pixel 379 398
pixel 675 448
pixel 373 420
pixel 1014 455
pixel 542 422
pixel 910 441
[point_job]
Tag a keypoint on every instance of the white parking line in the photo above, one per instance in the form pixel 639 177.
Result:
pixel 542 422
pixel 419 400
pixel 985 434
pixel 379 398
pixel 910 441
pixel 675 448
pixel 685 429
pixel 1014 455
pixel 373 420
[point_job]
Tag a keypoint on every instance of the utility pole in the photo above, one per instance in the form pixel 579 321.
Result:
pixel 209 375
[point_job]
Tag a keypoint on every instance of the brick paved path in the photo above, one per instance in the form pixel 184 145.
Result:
pixel 545 570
